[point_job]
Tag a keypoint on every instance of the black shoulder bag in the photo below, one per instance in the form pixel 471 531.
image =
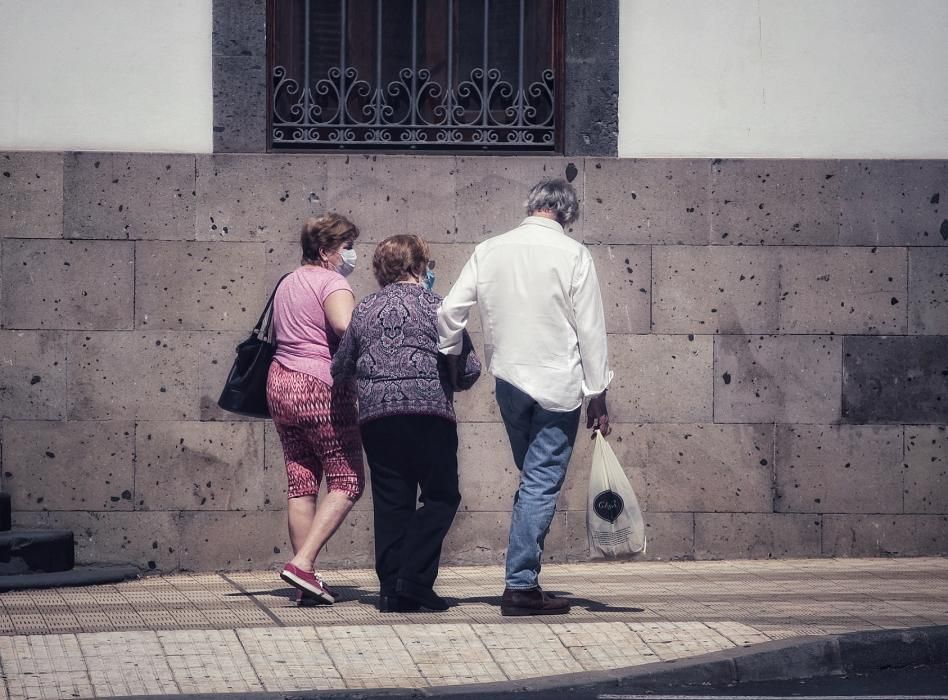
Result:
pixel 245 391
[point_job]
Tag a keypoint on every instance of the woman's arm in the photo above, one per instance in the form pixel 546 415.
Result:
pixel 338 310
pixel 344 360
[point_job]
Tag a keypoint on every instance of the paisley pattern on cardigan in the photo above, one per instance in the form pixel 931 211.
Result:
pixel 391 348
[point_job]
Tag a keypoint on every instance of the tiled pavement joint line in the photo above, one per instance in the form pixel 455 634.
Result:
pixel 253 668
pixel 405 644
pixel 490 652
pixel 253 598
pixel 642 639
pixel 4 686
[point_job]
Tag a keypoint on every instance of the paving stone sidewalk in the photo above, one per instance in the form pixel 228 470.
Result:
pixel 240 632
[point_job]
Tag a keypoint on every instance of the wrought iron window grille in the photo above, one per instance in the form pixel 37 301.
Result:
pixel 324 94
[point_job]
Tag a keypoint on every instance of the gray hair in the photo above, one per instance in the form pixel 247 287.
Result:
pixel 556 196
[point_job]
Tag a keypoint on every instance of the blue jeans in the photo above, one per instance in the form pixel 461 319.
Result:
pixel 542 442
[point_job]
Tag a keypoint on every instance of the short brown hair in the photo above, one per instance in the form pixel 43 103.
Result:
pixel 398 257
pixel 326 232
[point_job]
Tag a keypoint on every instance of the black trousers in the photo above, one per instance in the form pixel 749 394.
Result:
pixel 406 453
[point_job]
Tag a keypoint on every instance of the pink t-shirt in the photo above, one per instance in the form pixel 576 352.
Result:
pixel 305 342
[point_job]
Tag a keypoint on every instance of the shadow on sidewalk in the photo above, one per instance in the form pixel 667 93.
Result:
pixel 347 594
pixel 354 594
pixel 576 602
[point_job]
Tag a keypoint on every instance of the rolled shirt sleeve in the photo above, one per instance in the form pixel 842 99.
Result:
pixel 456 308
pixel 590 327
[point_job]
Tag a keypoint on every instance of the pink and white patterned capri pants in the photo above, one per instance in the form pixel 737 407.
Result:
pixel 318 427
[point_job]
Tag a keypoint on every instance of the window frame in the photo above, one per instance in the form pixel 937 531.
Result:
pixel 559 101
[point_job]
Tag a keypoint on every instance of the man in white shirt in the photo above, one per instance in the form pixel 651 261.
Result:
pixel 545 343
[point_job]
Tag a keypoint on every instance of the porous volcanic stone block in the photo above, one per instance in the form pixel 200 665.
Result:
pixel 784 379
pixel 756 535
pixel 895 379
pixel 668 536
pixel 477 538
pixel 928 291
pixel 842 290
pixel 660 378
pixel 205 466
pixel 647 201
pixel 488 475
pixel 894 202
pixel 492 190
pixel 240 28
pixel 775 202
pixel 628 442
pixel 353 545
pixel 591 85
pixel 624 281
pixel 32 375
pixel 75 465
pixel 146 540
pixel 232 540
pixel 719 468
pixel 839 469
pixel 259 197
pixel 200 286
pixel 714 290
pixel 128 196
pixel 885 535
pixel 150 375
pixel 385 195
pixel 31 195
pixel 926 469
pixel 69 285
pixel 240 104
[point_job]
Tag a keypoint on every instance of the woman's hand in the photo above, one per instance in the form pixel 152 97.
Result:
pixel 338 310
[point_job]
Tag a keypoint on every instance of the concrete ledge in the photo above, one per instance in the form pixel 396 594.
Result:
pixel 800 657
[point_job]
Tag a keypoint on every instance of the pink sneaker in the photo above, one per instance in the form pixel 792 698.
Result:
pixel 305 598
pixel 307 581
pixel 329 589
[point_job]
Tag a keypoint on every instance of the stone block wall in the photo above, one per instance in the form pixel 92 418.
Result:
pixel 779 332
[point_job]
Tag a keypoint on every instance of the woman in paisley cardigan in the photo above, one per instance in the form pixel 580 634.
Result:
pixel 406 416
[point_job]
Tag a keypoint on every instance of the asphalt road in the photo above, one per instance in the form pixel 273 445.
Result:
pixel 920 683
pixel 929 682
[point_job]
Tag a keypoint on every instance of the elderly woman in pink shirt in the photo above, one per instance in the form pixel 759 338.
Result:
pixel 316 419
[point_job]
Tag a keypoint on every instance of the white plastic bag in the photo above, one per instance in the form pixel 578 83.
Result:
pixel 614 522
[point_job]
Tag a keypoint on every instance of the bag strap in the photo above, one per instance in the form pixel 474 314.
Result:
pixel 266 318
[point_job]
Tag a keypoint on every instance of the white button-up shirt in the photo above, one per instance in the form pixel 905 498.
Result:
pixel 544 327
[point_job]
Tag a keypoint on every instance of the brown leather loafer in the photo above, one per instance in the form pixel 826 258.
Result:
pixel 532 601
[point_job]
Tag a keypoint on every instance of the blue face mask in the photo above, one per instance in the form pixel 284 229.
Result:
pixel 429 280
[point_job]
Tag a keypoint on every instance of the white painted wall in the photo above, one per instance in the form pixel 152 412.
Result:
pixel 125 75
pixel 784 78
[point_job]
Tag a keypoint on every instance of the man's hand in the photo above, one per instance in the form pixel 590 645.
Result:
pixel 597 415
pixel 452 362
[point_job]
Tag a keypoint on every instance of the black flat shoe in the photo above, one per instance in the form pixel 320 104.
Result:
pixel 426 598
pixel 396 603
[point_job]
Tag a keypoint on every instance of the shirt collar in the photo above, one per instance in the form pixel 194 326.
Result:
pixel 543 221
